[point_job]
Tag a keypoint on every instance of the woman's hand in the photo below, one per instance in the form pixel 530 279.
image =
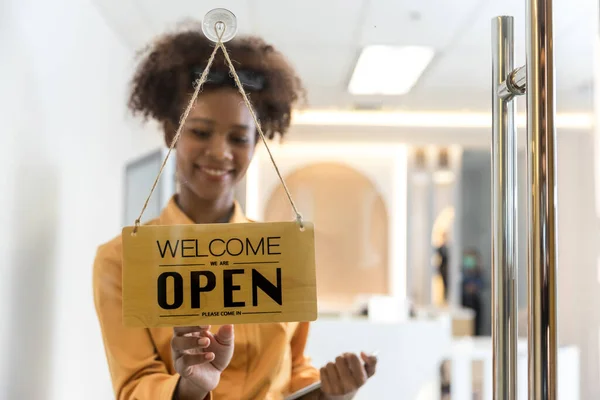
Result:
pixel 340 380
pixel 199 358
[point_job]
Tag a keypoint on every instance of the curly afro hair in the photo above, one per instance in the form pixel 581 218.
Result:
pixel 164 79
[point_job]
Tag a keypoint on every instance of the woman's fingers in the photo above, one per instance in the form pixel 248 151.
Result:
pixel 357 370
pixel 342 367
pixel 199 339
pixel 181 344
pixel 334 379
pixel 370 363
pixel 225 335
pixel 326 382
pixel 189 339
pixel 184 365
pixel 187 330
pixel 347 374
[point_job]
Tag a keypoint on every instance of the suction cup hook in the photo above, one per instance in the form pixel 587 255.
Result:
pixel 219 23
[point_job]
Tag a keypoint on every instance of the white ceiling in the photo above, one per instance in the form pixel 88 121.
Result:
pixel 323 40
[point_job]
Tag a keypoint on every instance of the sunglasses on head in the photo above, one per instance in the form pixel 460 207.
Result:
pixel 251 80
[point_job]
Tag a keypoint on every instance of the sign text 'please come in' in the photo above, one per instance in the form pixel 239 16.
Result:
pixel 184 275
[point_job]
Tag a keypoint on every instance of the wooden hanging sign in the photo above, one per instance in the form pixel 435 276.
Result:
pixel 186 275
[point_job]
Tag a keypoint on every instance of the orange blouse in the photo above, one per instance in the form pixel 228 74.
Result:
pixel 268 360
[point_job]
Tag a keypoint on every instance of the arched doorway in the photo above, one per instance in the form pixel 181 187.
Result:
pixel 351 230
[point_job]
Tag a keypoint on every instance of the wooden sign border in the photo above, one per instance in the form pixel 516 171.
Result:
pixel 296 263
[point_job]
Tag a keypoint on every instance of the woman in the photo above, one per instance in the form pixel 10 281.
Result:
pixel 259 361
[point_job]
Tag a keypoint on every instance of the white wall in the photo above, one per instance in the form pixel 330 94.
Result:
pixel 64 138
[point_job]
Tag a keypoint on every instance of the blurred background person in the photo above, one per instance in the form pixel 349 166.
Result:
pixel 472 285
